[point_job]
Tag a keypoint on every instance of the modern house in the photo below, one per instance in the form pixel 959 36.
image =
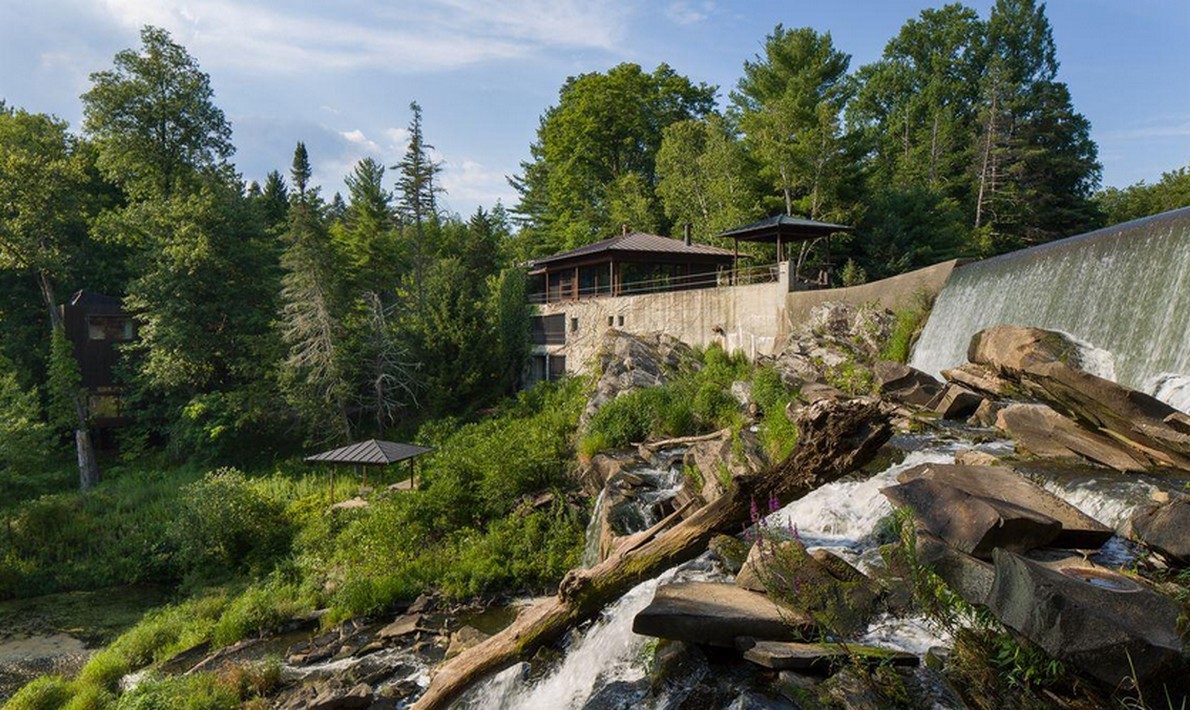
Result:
pixel 701 294
pixel 634 262
pixel 95 325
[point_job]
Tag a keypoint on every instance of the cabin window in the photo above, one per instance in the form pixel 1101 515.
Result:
pixel 108 328
pixel 574 325
pixel 611 320
pixel 621 321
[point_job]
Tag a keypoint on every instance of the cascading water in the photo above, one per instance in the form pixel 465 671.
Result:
pixel 1124 289
pixel 843 516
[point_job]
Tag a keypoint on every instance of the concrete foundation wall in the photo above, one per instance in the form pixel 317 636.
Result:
pixel 893 293
pixel 753 319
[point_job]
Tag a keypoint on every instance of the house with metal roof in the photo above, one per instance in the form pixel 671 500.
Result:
pixel 631 263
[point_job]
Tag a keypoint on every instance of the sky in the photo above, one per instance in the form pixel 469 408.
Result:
pixel 340 75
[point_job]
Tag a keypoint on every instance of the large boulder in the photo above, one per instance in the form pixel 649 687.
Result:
pixel 1046 365
pixel 724 457
pixel 957 402
pixel 1043 432
pixel 969 577
pixel 819 583
pixel 1103 624
pixel 973 524
pixel 716 614
pixel 906 384
pixel 1000 483
pixel 1165 527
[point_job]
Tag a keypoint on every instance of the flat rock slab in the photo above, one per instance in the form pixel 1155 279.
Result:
pixel 972 524
pixel 403 626
pixel 1047 434
pixel 788 655
pixel 1001 483
pixel 1104 624
pixel 717 614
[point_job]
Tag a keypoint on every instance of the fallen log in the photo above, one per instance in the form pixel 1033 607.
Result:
pixel 835 438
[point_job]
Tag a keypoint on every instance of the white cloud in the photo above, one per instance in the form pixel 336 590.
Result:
pixel 358 138
pixel 471 182
pixel 684 12
pixel 408 38
pixel 1172 129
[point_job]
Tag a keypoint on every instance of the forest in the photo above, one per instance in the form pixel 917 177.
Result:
pixel 273 320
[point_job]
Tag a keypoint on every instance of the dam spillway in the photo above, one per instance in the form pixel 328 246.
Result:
pixel 1124 289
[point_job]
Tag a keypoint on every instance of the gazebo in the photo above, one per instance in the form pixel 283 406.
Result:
pixel 782 230
pixel 373 452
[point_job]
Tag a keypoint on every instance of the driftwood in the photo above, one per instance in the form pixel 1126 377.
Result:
pixel 835 438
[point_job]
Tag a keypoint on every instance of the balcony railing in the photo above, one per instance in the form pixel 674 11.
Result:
pixel 746 276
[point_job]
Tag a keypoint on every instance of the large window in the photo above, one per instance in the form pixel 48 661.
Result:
pixel 118 328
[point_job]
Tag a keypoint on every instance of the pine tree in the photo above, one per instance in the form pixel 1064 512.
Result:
pixel 417 197
pixel 366 234
pixel 311 317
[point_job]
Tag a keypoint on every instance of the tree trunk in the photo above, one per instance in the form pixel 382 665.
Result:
pixel 834 439
pixel 984 182
pixel 88 464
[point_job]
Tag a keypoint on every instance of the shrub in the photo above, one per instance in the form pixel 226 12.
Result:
pixel 224 525
pixel 186 692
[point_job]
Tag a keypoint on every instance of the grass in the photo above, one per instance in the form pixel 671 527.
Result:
pixel 910 321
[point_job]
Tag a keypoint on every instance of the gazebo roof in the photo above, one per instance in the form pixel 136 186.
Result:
pixel 639 244
pixel 372 452
pixel 789 229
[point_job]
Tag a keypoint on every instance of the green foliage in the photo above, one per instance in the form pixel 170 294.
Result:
pixel 594 160
pixel 64 382
pixel 153 115
pixel 705 177
pixel 778 434
pixel 45 693
pixel 909 324
pixel 850 376
pixel 25 440
pixel 790 102
pixel 199 691
pixel 260 607
pixel 692 401
pixel 224 525
pixel 1171 192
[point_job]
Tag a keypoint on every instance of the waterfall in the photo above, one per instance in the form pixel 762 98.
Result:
pixel 1124 289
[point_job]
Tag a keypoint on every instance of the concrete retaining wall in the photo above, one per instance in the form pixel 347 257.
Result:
pixel 753 319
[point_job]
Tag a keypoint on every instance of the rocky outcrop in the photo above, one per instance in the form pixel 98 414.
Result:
pixel 980 378
pixel 628 362
pixel 971 578
pixel 724 457
pixel 718 614
pixel 1165 527
pixel 1105 625
pixel 1044 433
pixel 837 339
pixel 1045 365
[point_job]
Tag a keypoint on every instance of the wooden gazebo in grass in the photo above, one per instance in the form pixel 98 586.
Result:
pixel 373 452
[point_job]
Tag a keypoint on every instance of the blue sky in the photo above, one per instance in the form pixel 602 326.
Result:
pixel 340 75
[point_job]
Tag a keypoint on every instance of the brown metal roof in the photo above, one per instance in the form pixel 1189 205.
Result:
pixel 789 228
pixel 372 452
pixel 639 243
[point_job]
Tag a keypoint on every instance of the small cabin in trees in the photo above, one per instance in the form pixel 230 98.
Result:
pixel 96 325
